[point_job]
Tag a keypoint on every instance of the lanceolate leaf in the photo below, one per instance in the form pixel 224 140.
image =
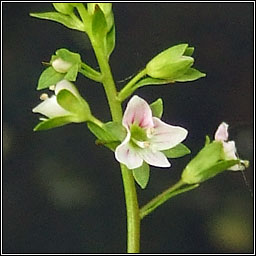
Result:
pixel 191 75
pixel 151 81
pixel 178 151
pixel 53 122
pixel 49 77
pixel 65 20
pixel 157 108
pixel 116 130
pixel 141 175
pixel 100 133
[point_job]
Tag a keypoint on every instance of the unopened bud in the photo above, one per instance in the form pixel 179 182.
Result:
pixel 61 66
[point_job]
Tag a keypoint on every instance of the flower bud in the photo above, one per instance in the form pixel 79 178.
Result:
pixel 106 8
pixel 214 158
pixel 65 8
pixel 200 168
pixel 61 66
pixel 170 64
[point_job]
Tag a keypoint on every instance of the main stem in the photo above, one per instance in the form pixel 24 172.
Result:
pixel 132 208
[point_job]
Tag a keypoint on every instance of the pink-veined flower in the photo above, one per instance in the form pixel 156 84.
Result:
pixel 228 146
pixel 146 136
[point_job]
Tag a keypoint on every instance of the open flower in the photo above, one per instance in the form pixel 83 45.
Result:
pixel 65 106
pixel 146 136
pixel 229 147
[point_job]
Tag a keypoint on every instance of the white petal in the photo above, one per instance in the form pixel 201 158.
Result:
pixel 154 158
pixel 50 108
pixel 61 66
pixel 230 150
pixel 138 111
pixel 222 132
pixel 127 155
pixel 230 154
pixel 165 136
pixel 64 84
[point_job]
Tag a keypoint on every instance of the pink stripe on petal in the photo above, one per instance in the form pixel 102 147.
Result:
pixel 138 111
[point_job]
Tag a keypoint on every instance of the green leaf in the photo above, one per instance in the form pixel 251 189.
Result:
pixel 110 41
pixel 191 75
pixel 100 133
pixel 72 73
pixel 75 105
pixel 60 18
pixel 152 81
pixel 49 77
pixel 157 108
pixel 116 130
pixel 189 51
pixel 53 123
pixel 69 56
pixel 141 175
pixel 99 24
pixel 178 151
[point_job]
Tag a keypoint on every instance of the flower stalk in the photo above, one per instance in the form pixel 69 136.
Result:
pixel 164 196
pixel 128 88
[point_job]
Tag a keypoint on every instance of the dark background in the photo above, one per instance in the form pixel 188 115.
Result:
pixel 63 194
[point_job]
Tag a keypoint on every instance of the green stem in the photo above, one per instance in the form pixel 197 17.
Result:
pixel 90 72
pixel 132 208
pixel 96 121
pixel 108 81
pixel 128 90
pixel 164 196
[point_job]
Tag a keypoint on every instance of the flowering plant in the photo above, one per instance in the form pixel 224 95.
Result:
pixel 138 137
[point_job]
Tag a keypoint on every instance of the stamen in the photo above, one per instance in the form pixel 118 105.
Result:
pixel 52 87
pixel 150 132
pixel 141 144
pixel 44 96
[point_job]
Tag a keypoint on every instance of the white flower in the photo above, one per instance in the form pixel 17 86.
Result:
pixel 146 136
pixel 49 107
pixel 228 146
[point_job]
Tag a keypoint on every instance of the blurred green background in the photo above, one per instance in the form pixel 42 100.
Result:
pixel 63 194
